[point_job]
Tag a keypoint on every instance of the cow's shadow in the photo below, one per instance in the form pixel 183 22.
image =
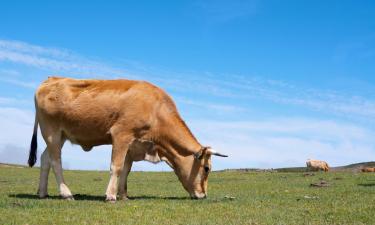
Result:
pixel 84 197
pixel 367 184
pixel 144 197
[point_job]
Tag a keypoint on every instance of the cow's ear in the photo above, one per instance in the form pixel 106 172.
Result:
pixel 198 155
pixel 201 153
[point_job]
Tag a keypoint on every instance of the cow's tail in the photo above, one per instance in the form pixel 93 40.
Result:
pixel 34 143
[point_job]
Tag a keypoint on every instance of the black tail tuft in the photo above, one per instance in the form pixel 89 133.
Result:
pixel 33 148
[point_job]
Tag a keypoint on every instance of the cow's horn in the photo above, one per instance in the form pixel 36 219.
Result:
pixel 213 152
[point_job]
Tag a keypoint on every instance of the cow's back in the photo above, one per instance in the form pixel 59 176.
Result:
pixel 85 110
pixel 56 94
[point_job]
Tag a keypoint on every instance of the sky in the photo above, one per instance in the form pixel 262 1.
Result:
pixel 270 83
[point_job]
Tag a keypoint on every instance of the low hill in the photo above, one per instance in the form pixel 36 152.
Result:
pixel 356 167
pixel 11 165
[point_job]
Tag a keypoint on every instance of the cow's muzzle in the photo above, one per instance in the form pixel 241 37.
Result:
pixel 197 195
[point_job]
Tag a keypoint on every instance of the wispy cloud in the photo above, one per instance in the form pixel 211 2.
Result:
pixel 54 60
pixel 9 72
pixel 12 101
pixel 235 89
pixel 227 108
pixel 281 92
pixel 19 82
pixel 23 47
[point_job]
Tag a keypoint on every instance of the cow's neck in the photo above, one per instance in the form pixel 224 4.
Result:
pixel 177 136
pixel 181 164
pixel 178 145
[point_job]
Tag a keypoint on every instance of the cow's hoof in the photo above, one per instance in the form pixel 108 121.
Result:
pixel 110 199
pixel 43 196
pixel 123 197
pixel 69 197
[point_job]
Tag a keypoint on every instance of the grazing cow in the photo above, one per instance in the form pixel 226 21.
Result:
pixel 316 165
pixel 139 119
pixel 368 169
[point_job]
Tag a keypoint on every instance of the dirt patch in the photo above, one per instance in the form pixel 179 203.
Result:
pixel 321 183
pixel 308 174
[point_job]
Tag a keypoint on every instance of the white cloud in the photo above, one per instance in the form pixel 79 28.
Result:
pixel 54 60
pixel 13 154
pixel 292 126
pixel 286 142
pixel 9 72
pixel 236 88
pixel 327 101
pixel 25 84
pixel 23 47
pixel 16 125
pixel 275 142
pixel 4 100
pixel 209 105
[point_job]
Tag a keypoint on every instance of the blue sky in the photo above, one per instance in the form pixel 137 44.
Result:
pixel 271 83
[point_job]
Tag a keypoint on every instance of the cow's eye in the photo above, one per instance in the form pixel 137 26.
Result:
pixel 207 169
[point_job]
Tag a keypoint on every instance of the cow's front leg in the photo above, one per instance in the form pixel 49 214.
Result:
pixel 119 150
pixel 123 182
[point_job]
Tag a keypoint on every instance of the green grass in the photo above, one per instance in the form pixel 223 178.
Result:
pixel 260 198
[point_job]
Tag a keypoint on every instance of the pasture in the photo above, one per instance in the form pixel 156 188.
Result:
pixel 234 197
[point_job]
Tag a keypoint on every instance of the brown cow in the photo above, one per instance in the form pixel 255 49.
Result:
pixel 316 165
pixel 368 169
pixel 139 119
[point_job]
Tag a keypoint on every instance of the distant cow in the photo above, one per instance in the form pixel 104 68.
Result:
pixel 368 169
pixel 138 119
pixel 317 165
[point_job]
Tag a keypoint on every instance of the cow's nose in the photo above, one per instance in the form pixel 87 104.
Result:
pixel 199 195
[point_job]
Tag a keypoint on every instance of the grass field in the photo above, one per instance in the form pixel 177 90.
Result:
pixel 158 198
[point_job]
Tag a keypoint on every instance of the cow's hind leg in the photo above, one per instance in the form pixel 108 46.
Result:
pixel 45 167
pixel 54 145
pixel 120 147
pixel 123 182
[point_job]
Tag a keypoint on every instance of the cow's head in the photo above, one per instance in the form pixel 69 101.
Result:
pixel 193 171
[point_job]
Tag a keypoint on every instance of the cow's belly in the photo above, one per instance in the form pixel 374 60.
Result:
pixel 87 139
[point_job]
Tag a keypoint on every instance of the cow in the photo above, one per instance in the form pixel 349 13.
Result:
pixel 137 118
pixel 317 165
pixel 368 169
